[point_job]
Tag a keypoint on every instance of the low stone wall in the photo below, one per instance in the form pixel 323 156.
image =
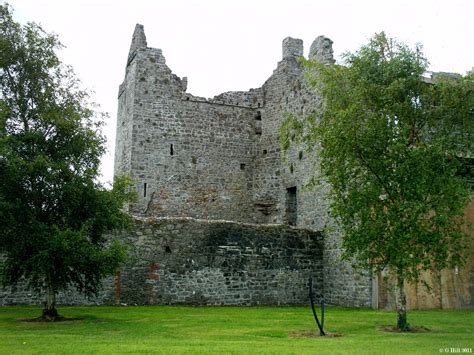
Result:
pixel 189 261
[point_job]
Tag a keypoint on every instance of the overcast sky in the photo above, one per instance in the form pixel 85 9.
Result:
pixel 235 45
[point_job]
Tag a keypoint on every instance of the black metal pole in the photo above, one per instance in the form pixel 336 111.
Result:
pixel 311 298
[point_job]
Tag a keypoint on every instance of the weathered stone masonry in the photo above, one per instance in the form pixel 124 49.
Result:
pixel 189 261
pixel 220 159
pixel 222 216
pixel 183 260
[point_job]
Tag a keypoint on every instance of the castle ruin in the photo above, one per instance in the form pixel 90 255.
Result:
pixel 222 217
pixel 218 160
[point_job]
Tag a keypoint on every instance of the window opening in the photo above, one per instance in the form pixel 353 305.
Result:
pixel 258 123
pixel 171 149
pixel 144 189
pixel 291 206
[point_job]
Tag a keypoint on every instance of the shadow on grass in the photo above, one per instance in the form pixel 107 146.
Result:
pixel 313 334
pixel 63 319
pixel 59 319
pixel 393 329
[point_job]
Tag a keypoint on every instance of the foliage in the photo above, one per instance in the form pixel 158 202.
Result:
pixel 53 211
pixel 391 146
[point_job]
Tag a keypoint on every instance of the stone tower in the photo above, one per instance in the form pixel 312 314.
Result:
pixel 219 159
pixel 216 158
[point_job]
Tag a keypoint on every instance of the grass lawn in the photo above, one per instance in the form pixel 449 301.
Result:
pixel 168 329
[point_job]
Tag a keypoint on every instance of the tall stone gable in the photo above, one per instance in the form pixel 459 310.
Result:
pixel 220 159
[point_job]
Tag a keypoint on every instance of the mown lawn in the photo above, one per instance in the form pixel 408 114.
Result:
pixel 168 329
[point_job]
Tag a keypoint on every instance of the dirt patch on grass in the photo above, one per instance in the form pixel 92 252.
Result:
pixel 312 334
pixel 392 329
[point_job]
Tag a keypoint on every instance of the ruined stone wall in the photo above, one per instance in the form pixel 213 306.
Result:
pixel 123 140
pixel 183 260
pixel 23 296
pixel 187 155
pixel 220 158
pixel 277 175
pixel 201 262
pixel 198 163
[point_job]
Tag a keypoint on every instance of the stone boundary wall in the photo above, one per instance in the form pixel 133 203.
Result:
pixel 190 261
pixel 185 260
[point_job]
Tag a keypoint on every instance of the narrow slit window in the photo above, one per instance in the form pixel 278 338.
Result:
pixel 258 124
pixel 291 206
pixel 144 189
pixel 171 149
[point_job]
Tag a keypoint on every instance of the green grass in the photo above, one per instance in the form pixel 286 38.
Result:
pixel 167 329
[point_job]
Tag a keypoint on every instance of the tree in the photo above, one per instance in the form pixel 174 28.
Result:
pixel 392 146
pixel 53 212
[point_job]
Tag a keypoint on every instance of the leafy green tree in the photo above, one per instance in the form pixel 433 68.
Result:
pixel 53 212
pixel 391 145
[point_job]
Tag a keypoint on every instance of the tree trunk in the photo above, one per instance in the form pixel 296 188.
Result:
pixel 402 323
pixel 50 311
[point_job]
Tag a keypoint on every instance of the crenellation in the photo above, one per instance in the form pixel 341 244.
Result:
pixel 321 50
pixel 138 42
pixel 292 48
